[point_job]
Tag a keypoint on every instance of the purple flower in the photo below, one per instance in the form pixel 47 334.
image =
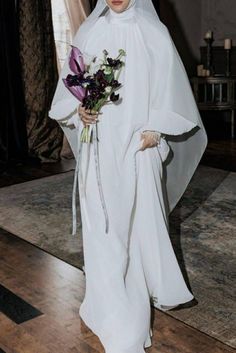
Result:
pixel 115 63
pixel 99 75
pixel 76 61
pixel 77 91
pixel 114 97
pixel 115 84
pixel 72 80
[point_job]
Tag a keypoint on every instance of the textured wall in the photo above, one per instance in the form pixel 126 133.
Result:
pixel 183 19
pixel 219 16
pixel 189 20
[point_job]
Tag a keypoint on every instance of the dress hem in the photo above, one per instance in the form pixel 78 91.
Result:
pixel 158 305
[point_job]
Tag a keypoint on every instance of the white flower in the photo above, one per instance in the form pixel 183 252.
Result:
pixel 108 89
pixel 91 63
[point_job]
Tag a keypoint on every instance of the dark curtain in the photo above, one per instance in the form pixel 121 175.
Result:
pixel 157 6
pixel 39 70
pixel 92 4
pixel 13 136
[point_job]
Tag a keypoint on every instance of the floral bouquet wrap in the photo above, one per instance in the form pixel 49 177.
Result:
pixel 95 84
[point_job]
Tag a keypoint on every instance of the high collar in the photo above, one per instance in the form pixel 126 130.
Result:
pixel 120 17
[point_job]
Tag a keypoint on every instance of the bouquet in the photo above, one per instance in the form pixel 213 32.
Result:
pixel 94 84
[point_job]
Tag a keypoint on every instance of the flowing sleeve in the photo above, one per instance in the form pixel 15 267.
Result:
pixel 172 110
pixel 64 104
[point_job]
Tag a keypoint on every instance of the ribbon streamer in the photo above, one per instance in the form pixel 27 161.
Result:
pixel 78 179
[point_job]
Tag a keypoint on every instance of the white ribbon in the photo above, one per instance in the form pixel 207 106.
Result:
pixel 78 179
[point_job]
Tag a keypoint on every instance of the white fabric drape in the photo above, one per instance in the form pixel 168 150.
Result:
pixel 77 11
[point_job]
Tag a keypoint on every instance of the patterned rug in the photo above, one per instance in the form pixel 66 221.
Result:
pixel 201 229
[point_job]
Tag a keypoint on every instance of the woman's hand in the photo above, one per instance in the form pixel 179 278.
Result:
pixel 150 139
pixel 86 116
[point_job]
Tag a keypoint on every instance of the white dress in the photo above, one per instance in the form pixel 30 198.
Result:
pixel 123 269
pixel 135 260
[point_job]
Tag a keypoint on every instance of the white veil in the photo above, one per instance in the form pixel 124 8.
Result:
pixel 144 7
pixel 173 110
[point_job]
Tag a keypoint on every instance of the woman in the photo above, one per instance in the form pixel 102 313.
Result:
pixel 128 255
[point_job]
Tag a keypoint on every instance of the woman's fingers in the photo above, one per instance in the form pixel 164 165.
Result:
pixel 87 116
pixel 147 142
pixel 82 110
pixel 90 118
pixel 144 144
pixel 88 121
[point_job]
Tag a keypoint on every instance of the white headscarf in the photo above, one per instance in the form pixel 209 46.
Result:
pixel 165 104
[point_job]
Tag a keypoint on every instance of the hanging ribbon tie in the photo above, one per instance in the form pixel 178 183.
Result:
pixel 78 178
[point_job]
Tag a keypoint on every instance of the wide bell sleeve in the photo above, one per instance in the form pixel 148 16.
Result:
pixel 172 109
pixel 64 104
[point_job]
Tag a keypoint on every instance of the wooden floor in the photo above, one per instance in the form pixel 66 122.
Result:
pixel 26 171
pixel 55 289
pixel 40 295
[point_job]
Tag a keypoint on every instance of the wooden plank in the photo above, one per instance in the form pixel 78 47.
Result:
pixel 57 289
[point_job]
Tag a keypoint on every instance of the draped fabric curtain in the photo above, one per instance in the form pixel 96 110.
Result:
pixel 13 136
pixel 77 11
pixel 40 75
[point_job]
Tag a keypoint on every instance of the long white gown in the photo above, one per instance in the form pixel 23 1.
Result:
pixel 135 259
